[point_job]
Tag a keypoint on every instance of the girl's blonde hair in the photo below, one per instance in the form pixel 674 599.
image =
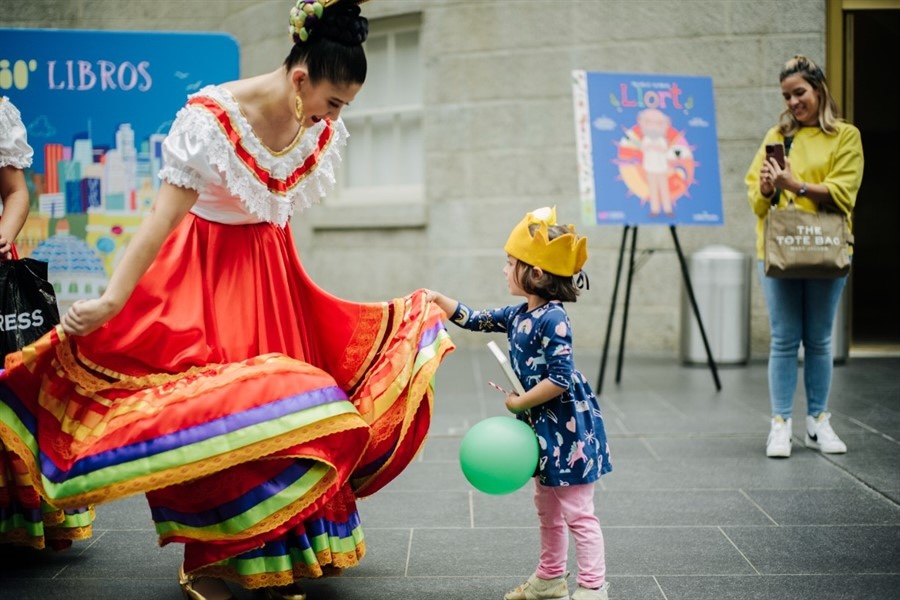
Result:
pixel 829 116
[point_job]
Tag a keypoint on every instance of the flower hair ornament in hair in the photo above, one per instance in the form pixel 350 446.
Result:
pixel 305 15
pixel 303 18
pixel 565 255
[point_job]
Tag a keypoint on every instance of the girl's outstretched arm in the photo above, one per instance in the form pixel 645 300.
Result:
pixel 448 305
pixel 171 205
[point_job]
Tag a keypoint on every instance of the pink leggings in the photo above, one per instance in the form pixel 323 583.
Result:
pixel 563 509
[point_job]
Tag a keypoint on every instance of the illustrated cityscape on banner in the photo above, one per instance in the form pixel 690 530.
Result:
pixel 647 149
pixel 97 105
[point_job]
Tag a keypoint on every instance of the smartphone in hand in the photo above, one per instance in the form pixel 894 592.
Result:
pixel 776 150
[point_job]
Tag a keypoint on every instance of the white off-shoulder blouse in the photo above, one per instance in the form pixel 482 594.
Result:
pixel 14 148
pixel 212 149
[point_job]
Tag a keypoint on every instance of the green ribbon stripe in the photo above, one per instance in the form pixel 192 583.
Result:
pixel 285 562
pixel 254 514
pixel 195 453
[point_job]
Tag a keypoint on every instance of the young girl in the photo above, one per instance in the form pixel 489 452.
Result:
pixel 542 263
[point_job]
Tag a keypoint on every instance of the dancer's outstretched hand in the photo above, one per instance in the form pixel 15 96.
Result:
pixel 86 316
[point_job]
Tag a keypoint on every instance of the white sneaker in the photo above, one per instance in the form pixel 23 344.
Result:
pixel 820 435
pixel 779 443
pixel 536 588
pixel 583 593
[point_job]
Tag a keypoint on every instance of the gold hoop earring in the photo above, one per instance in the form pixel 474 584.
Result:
pixel 298 113
pixel 298 109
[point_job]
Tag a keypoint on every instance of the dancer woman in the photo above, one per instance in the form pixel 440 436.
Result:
pixel 252 407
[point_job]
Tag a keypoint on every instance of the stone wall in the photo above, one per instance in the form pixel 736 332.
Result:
pixel 499 131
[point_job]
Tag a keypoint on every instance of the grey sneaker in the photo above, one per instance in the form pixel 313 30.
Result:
pixel 583 593
pixel 536 588
pixel 820 435
pixel 779 443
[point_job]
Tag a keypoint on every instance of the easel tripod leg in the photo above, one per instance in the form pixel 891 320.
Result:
pixel 621 357
pixel 612 311
pixel 690 292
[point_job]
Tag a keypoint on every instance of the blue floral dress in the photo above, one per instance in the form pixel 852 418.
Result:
pixel 569 428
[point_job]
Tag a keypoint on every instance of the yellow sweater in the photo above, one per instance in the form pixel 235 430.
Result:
pixel 815 157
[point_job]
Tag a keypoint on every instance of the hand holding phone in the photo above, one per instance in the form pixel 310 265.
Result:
pixel 776 151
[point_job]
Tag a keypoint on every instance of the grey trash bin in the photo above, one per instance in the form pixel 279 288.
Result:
pixel 720 278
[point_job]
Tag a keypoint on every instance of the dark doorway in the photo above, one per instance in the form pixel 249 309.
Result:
pixel 874 86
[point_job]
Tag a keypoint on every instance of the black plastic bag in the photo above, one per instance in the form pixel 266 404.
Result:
pixel 27 303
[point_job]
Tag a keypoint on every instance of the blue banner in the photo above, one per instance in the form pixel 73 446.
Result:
pixel 647 149
pixel 97 105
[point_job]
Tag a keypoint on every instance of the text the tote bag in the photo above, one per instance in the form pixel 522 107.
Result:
pixel 802 244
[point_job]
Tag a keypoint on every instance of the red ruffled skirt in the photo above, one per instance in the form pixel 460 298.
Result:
pixel 250 406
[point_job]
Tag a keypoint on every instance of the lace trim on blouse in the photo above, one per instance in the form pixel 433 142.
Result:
pixel 14 149
pixel 271 185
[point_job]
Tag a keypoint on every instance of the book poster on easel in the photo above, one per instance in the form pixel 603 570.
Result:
pixel 647 149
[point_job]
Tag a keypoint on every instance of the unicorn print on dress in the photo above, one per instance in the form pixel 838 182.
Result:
pixel 576 453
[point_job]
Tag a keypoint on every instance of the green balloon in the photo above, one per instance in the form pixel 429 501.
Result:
pixel 499 455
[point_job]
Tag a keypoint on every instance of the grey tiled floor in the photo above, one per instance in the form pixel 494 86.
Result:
pixel 693 509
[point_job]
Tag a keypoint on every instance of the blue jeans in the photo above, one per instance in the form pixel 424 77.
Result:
pixel 800 310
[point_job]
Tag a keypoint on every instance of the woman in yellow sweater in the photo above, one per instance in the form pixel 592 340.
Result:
pixel 824 166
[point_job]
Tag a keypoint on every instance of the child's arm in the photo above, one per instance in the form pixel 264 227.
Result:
pixel 486 321
pixel 542 392
pixel 14 193
pixel 448 305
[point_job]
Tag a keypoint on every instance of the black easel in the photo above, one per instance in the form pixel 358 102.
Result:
pixel 612 307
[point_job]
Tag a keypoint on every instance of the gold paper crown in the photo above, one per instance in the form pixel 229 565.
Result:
pixel 565 255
